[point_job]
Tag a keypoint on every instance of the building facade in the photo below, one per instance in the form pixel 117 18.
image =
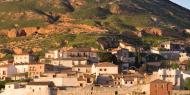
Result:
pixel 36 70
pixel 160 87
pixel 6 71
pixel 23 59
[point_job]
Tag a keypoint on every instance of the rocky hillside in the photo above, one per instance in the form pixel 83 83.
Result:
pixel 160 18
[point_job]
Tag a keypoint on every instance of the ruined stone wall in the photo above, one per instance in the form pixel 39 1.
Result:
pixel 90 90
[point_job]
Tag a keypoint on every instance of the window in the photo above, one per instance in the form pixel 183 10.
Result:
pixel 88 80
pixel 54 76
pixel 87 71
pixel 100 69
pixel 78 69
pixel 4 73
pixel 81 84
pixel 105 69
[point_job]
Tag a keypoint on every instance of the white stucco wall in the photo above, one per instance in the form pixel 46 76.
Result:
pixel 23 58
pixel 67 81
pixel 22 68
pixel 107 70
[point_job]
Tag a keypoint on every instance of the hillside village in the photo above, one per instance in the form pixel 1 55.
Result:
pixel 94 47
pixel 124 70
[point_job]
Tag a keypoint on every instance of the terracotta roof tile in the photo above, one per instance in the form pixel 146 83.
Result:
pixel 159 81
pixel 80 50
pixel 105 64
pixel 83 66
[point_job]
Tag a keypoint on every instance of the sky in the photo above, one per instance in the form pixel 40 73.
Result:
pixel 184 3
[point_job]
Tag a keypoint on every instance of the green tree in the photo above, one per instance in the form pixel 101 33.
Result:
pixel 165 64
pixel 8 56
pixel 187 83
pixel 138 59
pixel 2 84
pixel 188 65
pixel 107 57
pixel 174 65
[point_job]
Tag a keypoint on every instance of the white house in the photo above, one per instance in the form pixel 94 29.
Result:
pixel 14 89
pixel 22 68
pixel 23 58
pixel 32 88
pixel 87 69
pixel 105 68
pixel 60 81
pixel 177 77
pixel 41 88
pixel 53 54
pixel 69 62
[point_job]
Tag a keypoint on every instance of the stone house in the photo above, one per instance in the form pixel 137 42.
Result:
pixel 87 69
pixel 80 52
pixel 160 87
pixel 132 79
pixel 41 88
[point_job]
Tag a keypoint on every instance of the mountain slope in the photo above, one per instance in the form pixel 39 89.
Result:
pixel 113 16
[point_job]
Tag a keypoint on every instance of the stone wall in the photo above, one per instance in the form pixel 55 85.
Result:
pixel 91 90
pixel 181 92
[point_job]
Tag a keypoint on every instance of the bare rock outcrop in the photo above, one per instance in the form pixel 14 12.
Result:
pixel 36 50
pixel 77 3
pixel 115 9
pixel 152 31
pixel 17 50
pixel 11 33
